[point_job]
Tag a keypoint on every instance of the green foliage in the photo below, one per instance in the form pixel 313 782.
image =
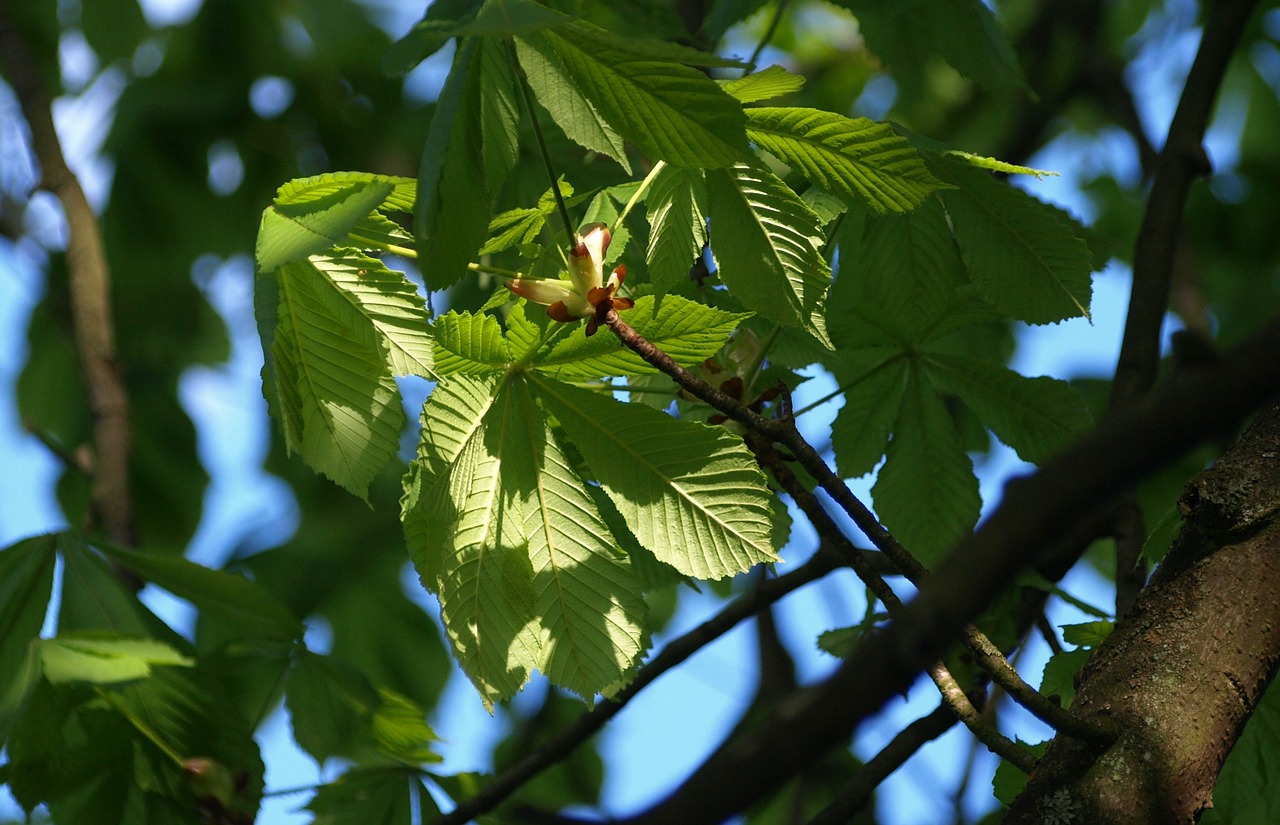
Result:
pixel 1246 790
pixel 550 519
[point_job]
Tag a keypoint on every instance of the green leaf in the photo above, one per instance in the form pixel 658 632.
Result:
pixel 926 466
pixel 872 399
pixel 862 161
pixel 769 256
pixel 104 660
pixel 996 165
pixel 314 214
pixel 521 226
pixel 451 217
pixel 1248 788
pixel 340 407
pixel 525 569
pixel 230 597
pixel 906 33
pixel 26 582
pixel 1060 674
pixel 1037 417
pixel 687 331
pixel 690 493
pixel 1008 780
pixel 585 594
pixel 906 273
pixel 94 599
pixel 391 304
pixel 330 705
pixel 1024 255
pixel 377 796
pixel 400 729
pixel 766 84
pixel 1087 634
pixel 600 96
pixel 470 344
pixel 841 641
pixel 553 84
pixel 441 23
pixel 677 207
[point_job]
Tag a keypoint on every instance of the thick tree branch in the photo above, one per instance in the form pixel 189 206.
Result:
pixel 1181 161
pixel 1188 409
pixel 1185 668
pixel 90 288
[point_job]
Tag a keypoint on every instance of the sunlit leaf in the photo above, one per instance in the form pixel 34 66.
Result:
pixel 104 659
pixel 769 257
pixel 861 160
pixel 691 494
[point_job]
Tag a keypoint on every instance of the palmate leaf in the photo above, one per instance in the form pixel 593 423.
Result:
pixel 769 257
pixel 926 492
pixel 907 266
pixel 687 331
pixel 26 581
pixel 859 159
pixel 691 494
pixel 339 405
pixel 1037 417
pixel 527 573
pixel 1025 256
pixel 872 399
pixel 601 93
pixel 314 214
pixel 677 207
pixel 378 796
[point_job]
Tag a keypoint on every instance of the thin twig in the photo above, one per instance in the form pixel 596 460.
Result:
pixel 856 793
pixel 111 506
pixel 527 95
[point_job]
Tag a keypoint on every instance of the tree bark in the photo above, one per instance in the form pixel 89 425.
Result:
pixel 1184 669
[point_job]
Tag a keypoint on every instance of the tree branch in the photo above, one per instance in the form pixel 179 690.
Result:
pixel 1181 161
pixel 1188 409
pixel 90 288
pixel 1188 664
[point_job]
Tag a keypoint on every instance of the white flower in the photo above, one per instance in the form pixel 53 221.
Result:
pixel 586 294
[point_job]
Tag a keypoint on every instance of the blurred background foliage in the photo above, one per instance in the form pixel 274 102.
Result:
pixel 202 109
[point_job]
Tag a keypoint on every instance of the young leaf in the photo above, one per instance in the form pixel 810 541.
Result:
pixel 691 494
pixel 769 257
pixel 861 160
pixel 104 660
pixel 926 492
pixel 672 112
pixel 314 214
pixel 766 84
pixel 469 344
pixel 677 207
pixel 340 407
pixel 687 331
pixel 1035 416
pixel 1024 255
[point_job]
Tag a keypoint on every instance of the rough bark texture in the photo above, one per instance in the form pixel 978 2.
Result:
pixel 1184 669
